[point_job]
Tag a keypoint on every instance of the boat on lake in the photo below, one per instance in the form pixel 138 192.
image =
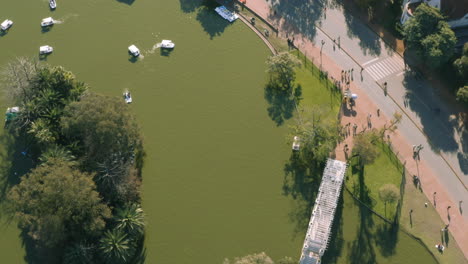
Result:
pixel 134 50
pixel 226 14
pixel 52 4
pixel 48 21
pixel 45 49
pixel 167 44
pixel 127 97
pixel 6 24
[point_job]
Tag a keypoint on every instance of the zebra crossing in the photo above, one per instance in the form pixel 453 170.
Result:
pixel 383 68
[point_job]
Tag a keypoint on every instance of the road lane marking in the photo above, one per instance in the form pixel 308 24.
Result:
pixel 365 63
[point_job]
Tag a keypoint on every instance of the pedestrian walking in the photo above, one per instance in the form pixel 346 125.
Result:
pixel 378 111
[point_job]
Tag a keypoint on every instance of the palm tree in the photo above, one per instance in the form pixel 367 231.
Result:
pixel 115 247
pixel 78 253
pixel 130 219
pixel 56 152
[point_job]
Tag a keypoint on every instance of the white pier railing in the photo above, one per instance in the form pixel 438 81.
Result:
pixel 319 231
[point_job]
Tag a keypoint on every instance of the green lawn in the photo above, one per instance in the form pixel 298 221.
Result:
pixel 317 91
pixel 426 224
pixel 361 237
pixel 386 169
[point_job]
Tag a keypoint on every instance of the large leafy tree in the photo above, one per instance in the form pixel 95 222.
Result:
pixel 462 94
pixel 365 148
pixel 281 68
pixel 317 135
pixel 461 66
pixel 107 138
pixel 55 203
pixel 116 248
pixel 430 36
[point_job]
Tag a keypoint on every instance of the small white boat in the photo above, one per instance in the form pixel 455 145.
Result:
pixel 127 97
pixel 296 145
pixel 48 21
pixel 45 49
pixel 134 50
pixel 167 44
pixel 52 4
pixel 6 24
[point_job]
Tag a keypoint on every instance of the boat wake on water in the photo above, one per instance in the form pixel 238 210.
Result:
pixel 154 48
pixel 65 18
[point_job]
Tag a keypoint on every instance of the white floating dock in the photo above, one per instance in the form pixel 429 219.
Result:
pixel 319 231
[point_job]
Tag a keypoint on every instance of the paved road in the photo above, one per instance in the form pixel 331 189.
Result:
pixel 425 115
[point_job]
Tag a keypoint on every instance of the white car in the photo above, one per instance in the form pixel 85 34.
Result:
pixel 48 21
pixel 134 50
pixel 167 44
pixel 6 24
pixel 45 49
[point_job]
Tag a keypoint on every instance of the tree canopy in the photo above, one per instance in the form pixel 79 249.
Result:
pixel 388 194
pixel 462 94
pixel 365 148
pixel 55 202
pixel 430 36
pixel 42 92
pixel 281 68
pixel 461 66
pixel 109 140
pixel 317 135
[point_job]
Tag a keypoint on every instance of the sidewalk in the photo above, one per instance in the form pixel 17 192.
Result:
pixel 401 140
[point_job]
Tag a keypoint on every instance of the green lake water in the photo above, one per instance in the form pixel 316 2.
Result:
pixel 213 173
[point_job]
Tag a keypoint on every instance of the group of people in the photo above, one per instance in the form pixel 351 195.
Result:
pixel 347 76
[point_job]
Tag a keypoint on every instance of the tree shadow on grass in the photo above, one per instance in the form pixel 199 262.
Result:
pixel 301 182
pixel 211 22
pixel 386 238
pixel 281 104
pixel 362 249
pixel 359 189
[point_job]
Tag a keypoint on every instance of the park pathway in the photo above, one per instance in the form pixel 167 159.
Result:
pixel 438 173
